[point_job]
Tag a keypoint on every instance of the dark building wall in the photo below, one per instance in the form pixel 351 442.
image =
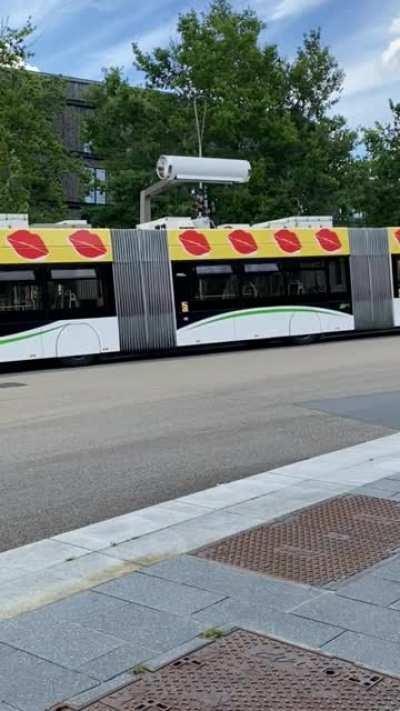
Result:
pixel 71 128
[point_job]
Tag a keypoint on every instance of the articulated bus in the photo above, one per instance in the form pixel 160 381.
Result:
pixel 77 293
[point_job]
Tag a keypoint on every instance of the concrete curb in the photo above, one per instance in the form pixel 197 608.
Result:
pixel 54 568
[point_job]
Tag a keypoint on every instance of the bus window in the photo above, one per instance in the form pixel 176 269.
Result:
pixel 19 292
pixel 262 281
pixel 306 280
pixel 215 282
pixel 76 291
pixel 338 276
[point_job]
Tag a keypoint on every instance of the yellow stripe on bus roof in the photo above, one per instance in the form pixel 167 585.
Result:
pixel 54 245
pixel 197 244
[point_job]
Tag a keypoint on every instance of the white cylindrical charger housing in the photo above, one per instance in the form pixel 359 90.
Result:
pixel 207 170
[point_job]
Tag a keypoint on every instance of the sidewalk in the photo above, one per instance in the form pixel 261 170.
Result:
pixel 209 581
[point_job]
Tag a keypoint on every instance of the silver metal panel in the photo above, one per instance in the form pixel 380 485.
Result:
pixel 371 280
pixel 143 289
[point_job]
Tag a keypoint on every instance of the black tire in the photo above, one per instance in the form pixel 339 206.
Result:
pixel 77 361
pixel 305 340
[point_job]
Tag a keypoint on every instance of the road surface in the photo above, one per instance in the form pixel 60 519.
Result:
pixel 81 445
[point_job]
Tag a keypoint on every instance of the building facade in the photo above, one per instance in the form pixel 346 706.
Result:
pixel 71 128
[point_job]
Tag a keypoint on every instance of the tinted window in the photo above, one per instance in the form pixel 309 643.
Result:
pixel 20 292
pixel 338 276
pixel 215 283
pixel 303 281
pixel 262 281
pixel 76 291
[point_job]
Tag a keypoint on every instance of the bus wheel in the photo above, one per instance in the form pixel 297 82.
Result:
pixel 305 340
pixel 77 361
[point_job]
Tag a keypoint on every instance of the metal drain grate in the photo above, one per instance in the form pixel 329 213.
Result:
pixel 324 543
pixel 249 672
pixel 12 385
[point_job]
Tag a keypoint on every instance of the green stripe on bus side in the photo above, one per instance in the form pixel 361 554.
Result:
pixel 15 339
pixel 277 310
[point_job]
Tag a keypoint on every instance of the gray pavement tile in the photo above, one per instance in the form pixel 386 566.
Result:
pixel 353 615
pixel 369 651
pixel 75 609
pixel 5 651
pixel 233 582
pixel 138 625
pixel 98 692
pixel 32 684
pixel 268 621
pixel 69 645
pixel 119 660
pixel 370 588
pixel 153 592
pixel 389 570
pixel 181 538
pixel 394 477
pixel 392 486
pixel 6 707
pixel 382 489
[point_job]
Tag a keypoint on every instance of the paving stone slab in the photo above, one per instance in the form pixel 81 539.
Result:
pixel 159 594
pixel 180 538
pixel 233 582
pixel 69 645
pixel 353 615
pixel 76 609
pixel 370 588
pixel 34 590
pixel 39 556
pixel 229 494
pixel 133 525
pixel 382 492
pixel 369 651
pixel 390 570
pixel 267 620
pixel 138 625
pixel 31 684
pixel 116 662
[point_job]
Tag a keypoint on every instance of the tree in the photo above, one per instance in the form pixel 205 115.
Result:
pixel 33 161
pixel 221 83
pixel 379 173
pixel 13 50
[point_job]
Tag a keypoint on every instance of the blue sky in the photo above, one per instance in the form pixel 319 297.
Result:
pixel 79 37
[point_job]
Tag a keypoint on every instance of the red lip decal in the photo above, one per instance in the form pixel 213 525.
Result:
pixel 195 242
pixel 328 240
pixel 397 235
pixel 28 245
pixel 243 242
pixel 288 241
pixel 88 244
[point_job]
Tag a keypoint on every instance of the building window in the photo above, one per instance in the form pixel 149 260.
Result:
pixel 97 195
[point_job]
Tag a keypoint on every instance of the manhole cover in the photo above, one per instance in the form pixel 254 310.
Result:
pixel 249 672
pixel 324 543
pixel 12 385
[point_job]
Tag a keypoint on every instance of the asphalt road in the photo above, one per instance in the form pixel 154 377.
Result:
pixel 82 445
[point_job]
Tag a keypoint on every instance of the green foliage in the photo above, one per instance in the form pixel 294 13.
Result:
pixel 379 175
pixel 33 161
pixel 251 104
pixel 13 51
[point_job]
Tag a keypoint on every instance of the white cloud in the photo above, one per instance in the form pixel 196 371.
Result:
pixel 121 54
pixel 289 8
pixel 391 55
pixel 395 26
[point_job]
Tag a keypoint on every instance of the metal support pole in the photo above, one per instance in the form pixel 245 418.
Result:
pixel 146 195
